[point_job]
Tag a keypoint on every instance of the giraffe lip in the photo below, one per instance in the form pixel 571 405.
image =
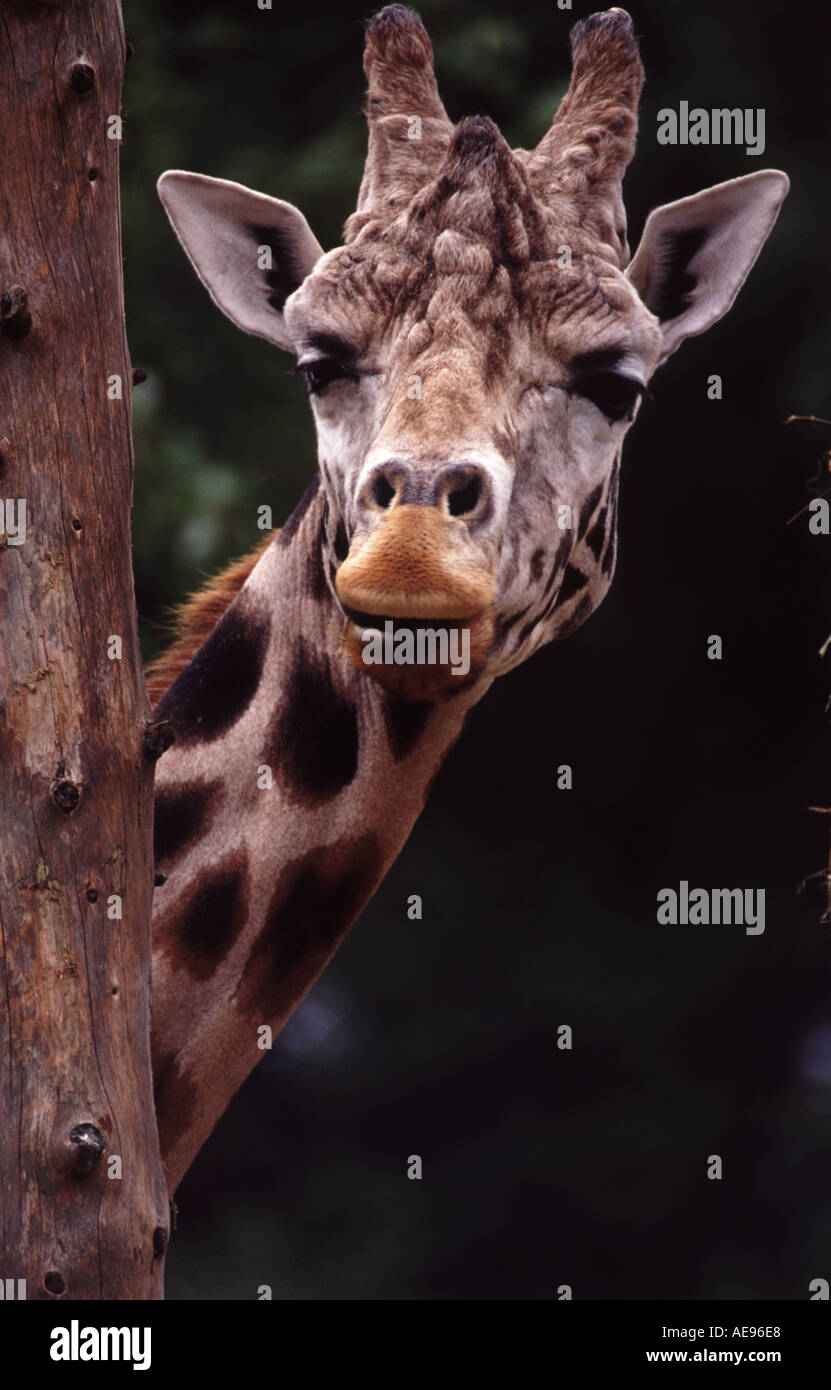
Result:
pixel 418 675
pixel 377 620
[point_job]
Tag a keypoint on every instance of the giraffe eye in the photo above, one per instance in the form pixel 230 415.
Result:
pixel 320 372
pixel 616 395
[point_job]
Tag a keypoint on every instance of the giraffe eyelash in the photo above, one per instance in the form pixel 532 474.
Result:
pixel 615 394
pixel 320 372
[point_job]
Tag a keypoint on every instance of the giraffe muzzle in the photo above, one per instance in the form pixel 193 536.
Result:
pixel 419 568
pixel 419 563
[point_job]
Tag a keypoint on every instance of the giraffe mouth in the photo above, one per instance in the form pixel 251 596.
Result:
pixel 418 600
pixel 420 658
pixel 378 621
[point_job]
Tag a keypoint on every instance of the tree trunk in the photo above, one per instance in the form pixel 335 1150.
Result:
pixel 83 1202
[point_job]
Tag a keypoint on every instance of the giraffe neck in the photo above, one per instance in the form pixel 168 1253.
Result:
pixel 291 788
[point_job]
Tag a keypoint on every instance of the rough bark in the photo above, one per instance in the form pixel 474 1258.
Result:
pixel 75 778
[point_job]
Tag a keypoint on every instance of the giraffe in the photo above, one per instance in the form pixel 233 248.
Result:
pixel 474 354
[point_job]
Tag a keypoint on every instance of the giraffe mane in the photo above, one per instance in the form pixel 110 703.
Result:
pixel 195 619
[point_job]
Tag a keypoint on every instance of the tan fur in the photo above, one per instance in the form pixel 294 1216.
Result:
pixel 415 566
pixel 196 618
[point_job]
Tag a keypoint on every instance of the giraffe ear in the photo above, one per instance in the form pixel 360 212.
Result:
pixel 250 251
pixel 694 255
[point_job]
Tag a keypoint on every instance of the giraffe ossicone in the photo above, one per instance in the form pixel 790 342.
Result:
pixel 471 384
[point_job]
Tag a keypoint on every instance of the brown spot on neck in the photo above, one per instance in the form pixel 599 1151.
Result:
pixel 197 934
pixel 195 620
pixel 406 721
pixel 314 744
pixel 316 900
pixel 182 812
pixel 218 685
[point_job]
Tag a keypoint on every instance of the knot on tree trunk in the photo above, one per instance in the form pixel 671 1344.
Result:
pixel 15 319
pixel 66 795
pixel 82 78
pixel 89 1146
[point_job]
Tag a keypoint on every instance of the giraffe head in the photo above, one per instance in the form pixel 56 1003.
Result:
pixel 478 347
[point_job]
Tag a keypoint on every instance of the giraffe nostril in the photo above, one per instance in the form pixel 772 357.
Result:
pixel 465 499
pixel 383 491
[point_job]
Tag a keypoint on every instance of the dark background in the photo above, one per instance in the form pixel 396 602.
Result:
pixel 541 1167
